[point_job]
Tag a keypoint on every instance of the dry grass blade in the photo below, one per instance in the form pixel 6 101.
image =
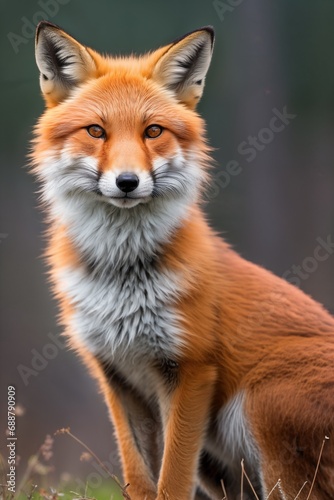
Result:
pixel 4 493
pixel 122 488
pixel 317 467
pixel 248 480
pixel 3 470
pixel 301 489
pixel 273 489
pixel 85 496
pixel 32 491
pixel 32 462
pixel 224 490
pixel 34 465
pixel 242 480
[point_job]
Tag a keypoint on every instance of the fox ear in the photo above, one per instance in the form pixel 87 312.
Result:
pixel 63 62
pixel 183 66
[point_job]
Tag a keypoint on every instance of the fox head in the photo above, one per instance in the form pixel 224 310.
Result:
pixel 121 132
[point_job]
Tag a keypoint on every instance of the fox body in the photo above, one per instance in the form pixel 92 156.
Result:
pixel 204 359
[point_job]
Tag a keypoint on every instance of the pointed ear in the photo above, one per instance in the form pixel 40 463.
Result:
pixel 63 62
pixel 183 66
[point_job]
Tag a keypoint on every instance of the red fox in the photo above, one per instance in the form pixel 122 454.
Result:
pixel 204 359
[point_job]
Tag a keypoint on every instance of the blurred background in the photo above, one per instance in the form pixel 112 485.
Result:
pixel 271 196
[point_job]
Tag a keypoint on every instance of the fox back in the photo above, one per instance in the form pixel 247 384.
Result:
pixel 205 360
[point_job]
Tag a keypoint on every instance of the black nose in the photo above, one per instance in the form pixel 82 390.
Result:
pixel 127 182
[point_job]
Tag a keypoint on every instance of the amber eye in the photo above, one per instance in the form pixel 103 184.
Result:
pixel 96 131
pixel 153 131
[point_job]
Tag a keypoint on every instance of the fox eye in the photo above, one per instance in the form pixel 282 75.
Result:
pixel 153 131
pixel 96 131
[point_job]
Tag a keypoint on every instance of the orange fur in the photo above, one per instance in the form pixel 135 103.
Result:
pixel 243 329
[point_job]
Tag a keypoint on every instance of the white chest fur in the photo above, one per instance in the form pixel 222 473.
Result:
pixel 124 301
pixel 130 309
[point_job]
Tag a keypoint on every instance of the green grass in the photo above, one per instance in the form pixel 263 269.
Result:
pixel 36 483
pixel 107 491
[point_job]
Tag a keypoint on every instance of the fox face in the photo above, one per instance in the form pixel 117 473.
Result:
pixel 121 132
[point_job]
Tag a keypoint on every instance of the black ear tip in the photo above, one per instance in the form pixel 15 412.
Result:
pixel 42 25
pixel 210 30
